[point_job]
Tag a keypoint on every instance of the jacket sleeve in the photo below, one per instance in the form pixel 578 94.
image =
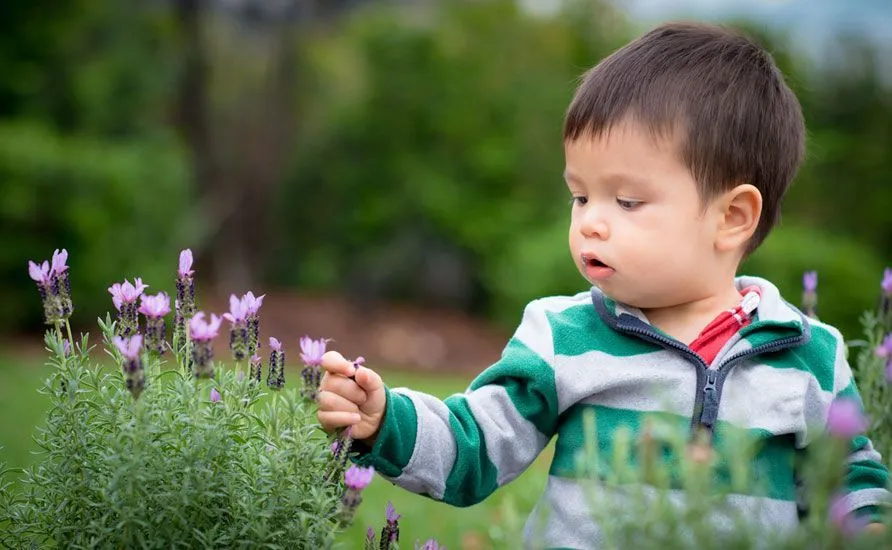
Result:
pixel 462 449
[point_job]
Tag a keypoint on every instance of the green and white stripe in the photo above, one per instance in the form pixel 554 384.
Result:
pixel 565 360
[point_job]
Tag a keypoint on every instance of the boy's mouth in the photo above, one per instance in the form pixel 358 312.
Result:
pixel 592 261
pixel 595 269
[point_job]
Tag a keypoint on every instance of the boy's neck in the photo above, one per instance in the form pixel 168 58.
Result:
pixel 686 321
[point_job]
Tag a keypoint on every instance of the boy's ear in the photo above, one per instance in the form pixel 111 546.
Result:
pixel 739 212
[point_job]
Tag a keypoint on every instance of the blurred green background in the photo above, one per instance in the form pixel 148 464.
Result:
pixel 376 153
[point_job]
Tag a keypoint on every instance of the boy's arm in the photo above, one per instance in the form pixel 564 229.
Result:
pixel 462 449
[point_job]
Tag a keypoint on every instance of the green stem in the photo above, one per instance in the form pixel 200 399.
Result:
pixel 70 339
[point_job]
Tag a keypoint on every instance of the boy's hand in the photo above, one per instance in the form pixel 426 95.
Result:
pixel 350 396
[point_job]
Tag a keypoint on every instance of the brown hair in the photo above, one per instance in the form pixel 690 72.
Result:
pixel 717 93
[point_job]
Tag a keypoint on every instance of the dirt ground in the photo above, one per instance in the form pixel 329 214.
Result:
pixel 391 335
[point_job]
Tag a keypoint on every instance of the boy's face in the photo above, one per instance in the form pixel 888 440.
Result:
pixel 638 229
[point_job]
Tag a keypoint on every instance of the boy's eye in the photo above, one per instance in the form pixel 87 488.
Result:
pixel 627 204
pixel 579 200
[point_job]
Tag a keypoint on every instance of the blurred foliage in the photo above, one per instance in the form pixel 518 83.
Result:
pixel 116 206
pixel 426 164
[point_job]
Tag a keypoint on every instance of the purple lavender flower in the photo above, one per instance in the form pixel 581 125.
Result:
pixel 66 347
pixel 201 330
pixel 40 273
pixel 124 296
pixel 370 539
pixel 154 308
pixel 130 347
pixel 429 544
pixel 311 351
pixel 356 479
pixel 60 282
pixel 253 319
pixel 54 287
pixel 185 301
pixel 215 395
pixel 185 269
pixel 311 355
pixel 202 333
pixel 340 449
pixel 884 351
pixel 390 533
pixel 810 293
pixel 256 368
pixel 886 298
pixel 845 419
pixel 275 379
pixel 238 330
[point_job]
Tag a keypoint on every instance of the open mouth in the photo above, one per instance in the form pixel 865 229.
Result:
pixel 592 261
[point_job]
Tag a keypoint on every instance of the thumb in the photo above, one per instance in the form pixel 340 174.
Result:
pixel 368 380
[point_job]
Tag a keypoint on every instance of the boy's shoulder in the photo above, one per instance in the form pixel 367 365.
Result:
pixel 560 303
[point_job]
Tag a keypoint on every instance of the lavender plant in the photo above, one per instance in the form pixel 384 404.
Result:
pixel 873 366
pixel 191 454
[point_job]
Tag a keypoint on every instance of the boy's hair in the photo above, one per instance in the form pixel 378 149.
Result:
pixel 717 94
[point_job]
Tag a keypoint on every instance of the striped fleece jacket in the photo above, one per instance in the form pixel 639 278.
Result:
pixel 773 382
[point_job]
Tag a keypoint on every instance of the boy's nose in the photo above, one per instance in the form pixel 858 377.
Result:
pixel 594 226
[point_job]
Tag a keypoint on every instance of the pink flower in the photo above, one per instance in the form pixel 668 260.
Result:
pixel 155 306
pixel 312 350
pixel 129 346
pixel 845 419
pixel 126 293
pixel 201 330
pixel 215 395
pixel 887 282
pixel 885 349
pixel 59 261
pixel 274 344
pixel 40 273
pixel 390 513
pixel 430 544
pixel 251 303
pixel 358 478
pixel 810 281
pixel 185 269
pixel 238 310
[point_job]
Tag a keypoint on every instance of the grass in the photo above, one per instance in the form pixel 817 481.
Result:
pixel 479 526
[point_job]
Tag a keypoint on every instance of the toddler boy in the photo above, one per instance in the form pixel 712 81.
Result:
pixel 679 148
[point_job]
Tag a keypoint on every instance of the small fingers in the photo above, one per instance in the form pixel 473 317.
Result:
pixel 368 380
pixel 334 363
pixel 330 420
pixel 344 387
pixel 329 401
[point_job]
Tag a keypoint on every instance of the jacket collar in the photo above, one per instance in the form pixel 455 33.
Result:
pixel 774 314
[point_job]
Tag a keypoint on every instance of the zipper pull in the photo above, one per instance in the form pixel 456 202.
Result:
pixel 710 412
pixel 750 302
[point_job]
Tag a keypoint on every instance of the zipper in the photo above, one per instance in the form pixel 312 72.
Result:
pixel 702 369
pixel 710 382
